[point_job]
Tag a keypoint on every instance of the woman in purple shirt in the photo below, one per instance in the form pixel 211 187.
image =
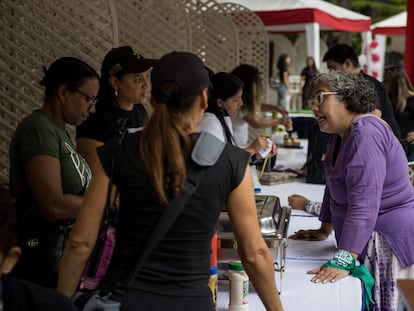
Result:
pixel 368 200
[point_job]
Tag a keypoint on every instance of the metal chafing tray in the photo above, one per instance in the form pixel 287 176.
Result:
pixel 274 223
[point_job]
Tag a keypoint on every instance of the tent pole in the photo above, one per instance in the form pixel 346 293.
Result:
pixel 382 45
pixel 313 42
pixel 365 50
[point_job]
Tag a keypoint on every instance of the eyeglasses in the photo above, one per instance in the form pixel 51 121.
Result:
pixel 89 99
pixel 318 100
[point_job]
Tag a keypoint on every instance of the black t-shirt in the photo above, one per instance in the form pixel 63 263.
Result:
pixel 179 265
pixel 106 122
pixel 19 295
pixel 308 74
pixel 282 70
pixel 385 104
pixel 405 119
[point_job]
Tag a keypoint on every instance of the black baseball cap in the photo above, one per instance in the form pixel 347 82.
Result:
pixel 124 59
pixel 186 69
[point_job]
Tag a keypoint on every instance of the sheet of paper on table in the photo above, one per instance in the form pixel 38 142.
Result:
pixel 310 250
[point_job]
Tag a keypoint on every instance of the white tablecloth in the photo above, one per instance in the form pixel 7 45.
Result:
pixel 292 157
pixel 298 293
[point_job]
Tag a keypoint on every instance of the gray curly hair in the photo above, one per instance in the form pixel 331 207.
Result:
pixel 358 93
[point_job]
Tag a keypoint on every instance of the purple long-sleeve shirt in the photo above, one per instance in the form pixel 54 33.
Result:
pixel 368 188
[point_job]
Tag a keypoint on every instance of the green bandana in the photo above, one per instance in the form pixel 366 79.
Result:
pixel 345 261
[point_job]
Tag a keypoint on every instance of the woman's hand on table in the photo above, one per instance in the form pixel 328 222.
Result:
pixel 297 201
pixel 314 234
pixel 310 235
pixel 327 274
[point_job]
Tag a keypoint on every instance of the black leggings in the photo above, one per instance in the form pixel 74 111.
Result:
pixel 144 301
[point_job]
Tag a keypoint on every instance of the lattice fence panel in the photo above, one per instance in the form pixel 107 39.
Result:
pixel 154 27
pixel 34 33
pixel 214 36
pixel 253 47
pixel 253 38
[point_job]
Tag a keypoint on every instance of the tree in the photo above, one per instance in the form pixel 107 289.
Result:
pixel 378 10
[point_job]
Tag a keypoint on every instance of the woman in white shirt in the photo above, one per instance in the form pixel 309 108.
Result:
pixel 252 102
pixel 225 101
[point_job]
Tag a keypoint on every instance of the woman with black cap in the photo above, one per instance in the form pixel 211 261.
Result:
pixel 124 88
pixel 153 168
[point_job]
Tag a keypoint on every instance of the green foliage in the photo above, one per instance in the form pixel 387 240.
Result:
pixel 378 10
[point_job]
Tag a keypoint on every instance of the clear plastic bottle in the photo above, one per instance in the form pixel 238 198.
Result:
pixel 213 284
pixel 255 178
pixel 275 115
pixel 278 136
pixel 286 139
pixel 239 287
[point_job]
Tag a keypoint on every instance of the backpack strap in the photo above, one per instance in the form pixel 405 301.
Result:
pixel 207 149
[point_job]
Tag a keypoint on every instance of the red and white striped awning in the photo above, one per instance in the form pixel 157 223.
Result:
pixel 293 15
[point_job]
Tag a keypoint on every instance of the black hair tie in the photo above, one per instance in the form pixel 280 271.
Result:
pixel 166 99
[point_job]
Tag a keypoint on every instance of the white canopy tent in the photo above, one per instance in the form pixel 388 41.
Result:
pixel 310 16
pixel 394 25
